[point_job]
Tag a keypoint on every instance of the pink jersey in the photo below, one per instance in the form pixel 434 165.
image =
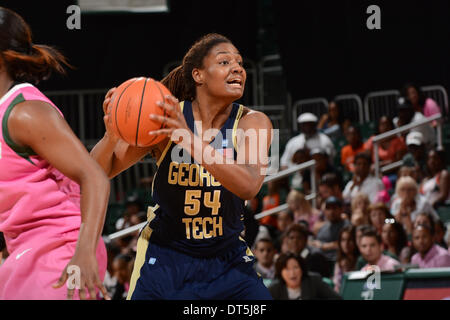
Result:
pixel 39 207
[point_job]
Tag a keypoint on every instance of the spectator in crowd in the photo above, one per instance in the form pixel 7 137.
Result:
pixel 347 255
pixel 362 181
pixel 429 254
pixel 295 282
pixel 309 138
pixel 436 186
pixel 329 185
pixel 296 239
pixel 110 281
pixel 360 209
pixel 408 203
pixel 389 150
pixel 132 207
pixel 379 214
pixel 372 251
pixel 394 238
pixel 355 145
pixel 327 236
pixel 407 115
pixel 425 218
pixel 302 209
pixel 419 101
pixel 298 182
pixel 265 264
pixel 409 171
pixel 122 272
pixel 416 155
pixel 360 231
pixel 439 234
pixel 333 123
pixel 270 201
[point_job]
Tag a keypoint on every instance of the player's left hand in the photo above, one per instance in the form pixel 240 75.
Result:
pixel 84 268
pixel 173 121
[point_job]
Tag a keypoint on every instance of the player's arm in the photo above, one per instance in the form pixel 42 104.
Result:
pixel 38 125
pixel 243 177
pixel 115 155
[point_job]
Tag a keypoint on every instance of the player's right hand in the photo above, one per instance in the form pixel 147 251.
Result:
pixel 107 104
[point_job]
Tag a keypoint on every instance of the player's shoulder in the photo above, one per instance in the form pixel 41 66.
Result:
pixel 250 116
pixel 29 111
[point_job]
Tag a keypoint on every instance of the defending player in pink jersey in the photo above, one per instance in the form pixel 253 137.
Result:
pixel 49 228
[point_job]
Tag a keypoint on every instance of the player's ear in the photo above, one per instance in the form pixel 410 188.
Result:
pixel 197 75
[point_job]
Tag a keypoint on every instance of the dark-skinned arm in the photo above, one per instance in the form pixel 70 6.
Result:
pixel 39 126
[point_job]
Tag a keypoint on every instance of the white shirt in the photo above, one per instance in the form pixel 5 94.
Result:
pixel 429 136
pixel 422 205
pixel 319 140
pixel 370 186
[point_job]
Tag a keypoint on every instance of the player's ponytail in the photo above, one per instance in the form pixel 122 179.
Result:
pixel 180 81
pixel 23 60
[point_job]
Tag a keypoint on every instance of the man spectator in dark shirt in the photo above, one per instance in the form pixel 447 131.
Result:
pixel 327 236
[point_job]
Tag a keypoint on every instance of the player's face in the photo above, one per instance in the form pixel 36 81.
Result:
pixel 223 74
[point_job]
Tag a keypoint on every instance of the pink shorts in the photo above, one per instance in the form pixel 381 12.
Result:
pixel 33 267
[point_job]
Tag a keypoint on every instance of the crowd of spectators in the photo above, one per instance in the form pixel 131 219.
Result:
pixel 360 220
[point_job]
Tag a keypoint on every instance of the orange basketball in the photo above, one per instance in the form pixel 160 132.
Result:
pixel 132 103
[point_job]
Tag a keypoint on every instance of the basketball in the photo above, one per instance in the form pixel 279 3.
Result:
pixel 132 104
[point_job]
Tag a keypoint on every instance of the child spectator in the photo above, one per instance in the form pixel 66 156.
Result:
pixel 265 253
pixel 372 251
pixel 429 254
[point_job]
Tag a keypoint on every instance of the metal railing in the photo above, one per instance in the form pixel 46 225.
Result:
pixel 277 176
pixel 383 103
pixel 350 103
pixel 404 128
pixel 317 106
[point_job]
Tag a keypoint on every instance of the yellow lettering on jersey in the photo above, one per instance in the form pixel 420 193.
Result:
pixel 205 175
pixel 194 178
pixel 187 222
pixel 200 228
pixel 173 174
pixel 192 175
pixel 181 173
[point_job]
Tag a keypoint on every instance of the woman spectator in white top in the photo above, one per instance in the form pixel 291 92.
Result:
pixel 436 187
pixel 408 203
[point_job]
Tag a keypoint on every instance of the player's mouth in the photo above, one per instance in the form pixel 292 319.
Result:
pixel 235 82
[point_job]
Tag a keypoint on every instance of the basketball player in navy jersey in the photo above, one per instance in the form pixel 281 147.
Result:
pixel 191 246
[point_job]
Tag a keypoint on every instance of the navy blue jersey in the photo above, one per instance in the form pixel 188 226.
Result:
pixel 194 213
